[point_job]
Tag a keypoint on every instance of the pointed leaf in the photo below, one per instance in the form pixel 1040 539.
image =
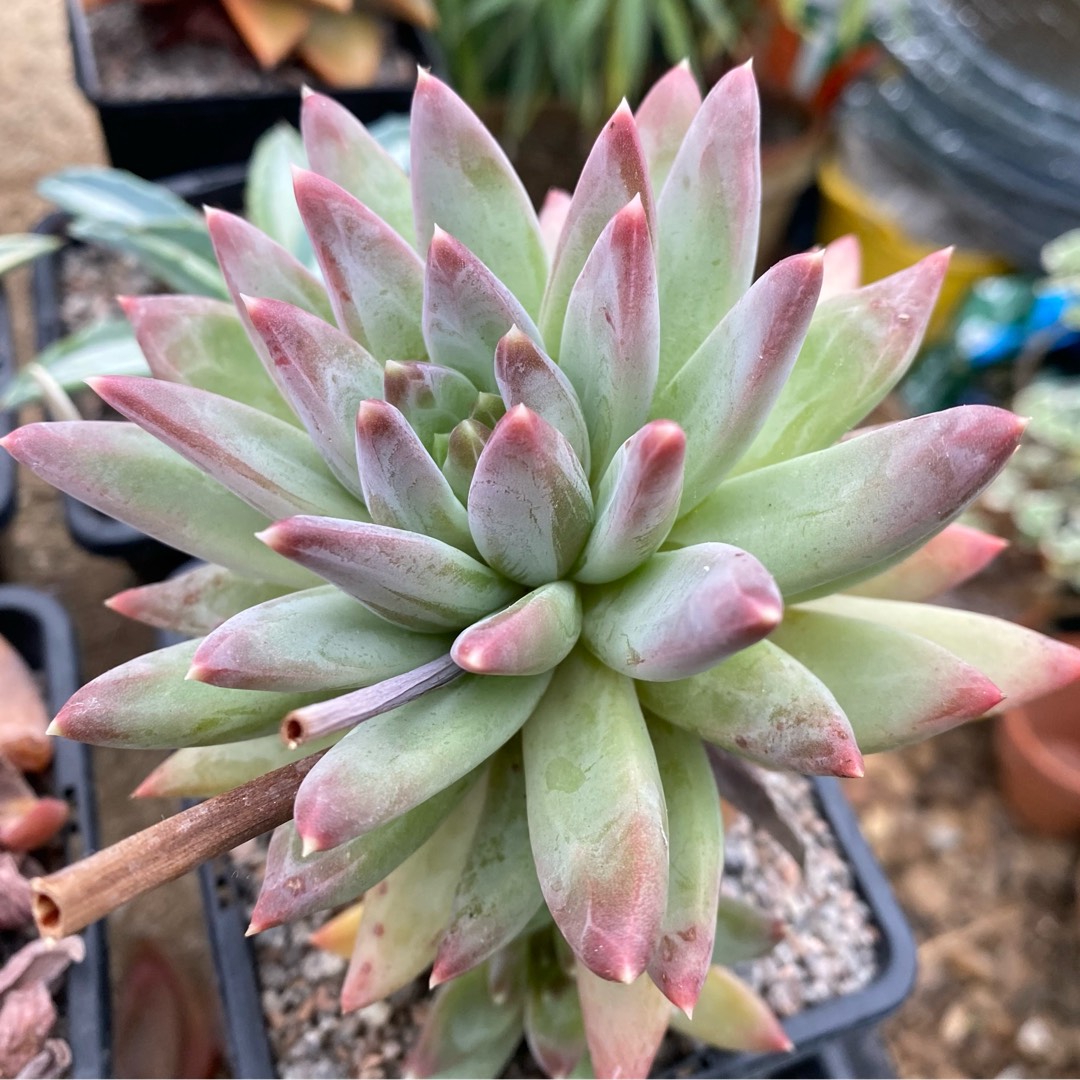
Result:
pixel 19 248
pixel 682 955
pixel 434 399
pixel 108 465
pixel 895 688
pixel 396 761
pixel 269 464
pixel 527 376
pixel 723 393
pixel 297 885
pixel 404 916
pixel 636 503
pixel 553 218
pixel 202 342
pixel 614 175
pixel 197 772
pixel 464 182
pixel 340 148
pixel 403 487
pixel 374 278
pixel 530 509
pixel 531 636
pixel 597 820
pixel 763 705
pixel 743 933
pixel 663 119
pixel 269 203
pixel 1023 664
pixel 611 336
pixel 463 450
pixel 338 935
pixel 24 744
pixel 467 310
pixel 843 267
pixel 554 1026
pixel 466 1033
pixel 255 265
pixel 857 348
pixel 948 560
pixel 624 1025
pixel 498 892
pixel 681 613
pixel 409 579
pixel 731 1016
pixel 827 520
pixel 310 640
pixel 323 373
pixel 147 704
pixel 488 410
pixel 195 602
pixel 708 216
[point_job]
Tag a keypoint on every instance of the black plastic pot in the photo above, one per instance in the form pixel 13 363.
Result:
pixel 159 137
pixel 91 530
pixel 830 1038
pixel 7 419
pixel 38 627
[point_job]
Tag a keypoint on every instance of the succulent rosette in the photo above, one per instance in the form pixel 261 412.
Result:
pixel 542 525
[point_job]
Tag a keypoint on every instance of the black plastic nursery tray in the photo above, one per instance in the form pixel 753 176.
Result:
pixel 826 1036
pixel 7 419
pixel 159 137
pixel 38 627
pixel 96 532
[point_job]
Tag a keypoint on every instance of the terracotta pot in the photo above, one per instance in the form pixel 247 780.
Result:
pixel 1038 750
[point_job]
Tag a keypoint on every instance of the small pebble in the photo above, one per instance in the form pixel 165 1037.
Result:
pixel 1036 1039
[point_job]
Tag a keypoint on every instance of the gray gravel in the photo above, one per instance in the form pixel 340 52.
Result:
pixel 90 280
pixel 828 951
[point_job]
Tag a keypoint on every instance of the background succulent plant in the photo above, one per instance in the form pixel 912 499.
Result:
pixel 590 537
pixel 341 41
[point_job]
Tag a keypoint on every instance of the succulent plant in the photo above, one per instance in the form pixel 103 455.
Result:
pixel 537 528
pixel 341 41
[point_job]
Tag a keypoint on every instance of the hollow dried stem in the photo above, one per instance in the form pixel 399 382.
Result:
pixel 324 717
pixel 73 898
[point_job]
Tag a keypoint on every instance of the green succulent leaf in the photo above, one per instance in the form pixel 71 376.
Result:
pixel 432 398
pixel 202 342
pixel 323 373
pixel 269 202
pixel 396 761
pixel 530 636
pixel 463 450
pixel 126 473
pixel 707 218
pixel 857 348
pixel 743 933
pixel 268 463
pixel 597 820
pixel 195 602
pixel 530 509
pixel 374 278
pixel 405 915
pixel 614 174
pixel 554 1026
pixel 722 395
pixel 765 706
pixel 731 1016
pixel 664 118
pixel 102 194
pixel 19 248
pixel 296 884
pixel 410 580
pixel 681 613
pixel 498 892
pixel 553 215
pixel 467 311
pixel 683 951
pixel 340 148
pixel 463 182
pixel 827 520
pixel 467 1033
pixel 309 640
pixel 148 704
pixel 403 487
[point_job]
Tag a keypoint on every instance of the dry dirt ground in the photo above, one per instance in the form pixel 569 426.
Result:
pixel 995 911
